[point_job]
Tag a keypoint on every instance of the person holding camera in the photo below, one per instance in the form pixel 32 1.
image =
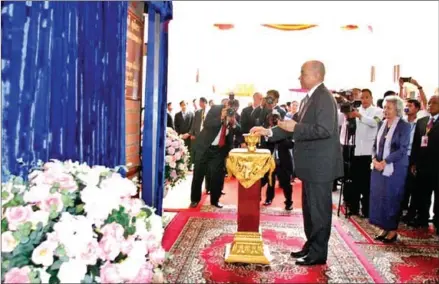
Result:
pixel 268 116
pixel 358 132
pixel 213 144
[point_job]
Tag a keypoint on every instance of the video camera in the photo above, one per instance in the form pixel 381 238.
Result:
pixel 347 106
pixel 231 105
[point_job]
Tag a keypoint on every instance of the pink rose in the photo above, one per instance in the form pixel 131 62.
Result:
pixel 145 274
pixel 171 151
pixel 110 274
pixel 17 216
pixel 53 201
pixel 109 248
pixel 176 144
pixel 177 156
pixel 113 230
pixel 67 182
pixel 158 256
pixel 173 174
pixel 18 275
pixel 168 142
pixel 127 245
pixel 90 256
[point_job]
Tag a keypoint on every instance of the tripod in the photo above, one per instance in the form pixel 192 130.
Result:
pixel 347 161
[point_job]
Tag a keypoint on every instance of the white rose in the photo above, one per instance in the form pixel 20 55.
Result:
pixel 43 254
pixel 9 243
pixel 72 271
pixel 172 165
pixel 156 224
pixel 37 193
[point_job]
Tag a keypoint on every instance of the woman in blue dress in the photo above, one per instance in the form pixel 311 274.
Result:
pixel 389 170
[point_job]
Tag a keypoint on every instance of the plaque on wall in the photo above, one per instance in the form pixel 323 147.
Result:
pixel 134 55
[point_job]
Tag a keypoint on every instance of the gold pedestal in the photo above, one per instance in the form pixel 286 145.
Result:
pixel 247 247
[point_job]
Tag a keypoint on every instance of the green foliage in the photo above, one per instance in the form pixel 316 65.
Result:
pixel 4 225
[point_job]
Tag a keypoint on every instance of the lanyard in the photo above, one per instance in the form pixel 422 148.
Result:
pixel 429 126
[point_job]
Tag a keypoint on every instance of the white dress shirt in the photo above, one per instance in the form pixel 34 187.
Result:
pixel 367 128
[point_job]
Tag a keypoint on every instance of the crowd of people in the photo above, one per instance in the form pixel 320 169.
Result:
pixel 389 150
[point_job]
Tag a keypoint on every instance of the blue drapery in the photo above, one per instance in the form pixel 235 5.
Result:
pixel 153 152
pixel 63 82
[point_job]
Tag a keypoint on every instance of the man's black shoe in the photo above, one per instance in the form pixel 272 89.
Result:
pixel 193 204
pixel 299 254
pixel 218 205
pixel 289 207
pixel 306 261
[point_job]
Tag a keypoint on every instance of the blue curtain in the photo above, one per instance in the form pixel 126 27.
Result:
pixel 153 152
pixel 63 83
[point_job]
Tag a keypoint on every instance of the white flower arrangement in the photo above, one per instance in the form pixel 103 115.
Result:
pixel 72 223
pixel 176 158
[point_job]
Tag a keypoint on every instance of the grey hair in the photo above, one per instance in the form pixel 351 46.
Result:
pixel 398 102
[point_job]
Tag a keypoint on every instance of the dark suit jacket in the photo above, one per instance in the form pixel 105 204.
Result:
pixel 426 157
pixel 211 128
pixel 170 121
pixel 183 126
pixel 317 150
pixel 196 124
pixel 246 119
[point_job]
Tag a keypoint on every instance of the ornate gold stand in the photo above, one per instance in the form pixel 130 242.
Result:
pixel 247 247
pixel 249 166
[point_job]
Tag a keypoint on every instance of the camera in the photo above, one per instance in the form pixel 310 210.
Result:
pixel 269 100
pixel 231 105
pixel 347 107
pixel 406 79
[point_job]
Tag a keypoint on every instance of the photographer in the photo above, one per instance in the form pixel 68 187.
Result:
pixel 213 145
pixel 357 135
pixel 268 116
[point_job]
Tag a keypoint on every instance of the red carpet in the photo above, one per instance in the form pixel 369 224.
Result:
pixel 402 264
pixel 407 236
pixel 196 242
pixel 231 196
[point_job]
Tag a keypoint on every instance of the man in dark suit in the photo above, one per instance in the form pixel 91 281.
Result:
pixel 170 121
pixel 424 160
pixel 183 124
pixel 213 144
pixel 197 126
pixel 246 113
pixel 318 160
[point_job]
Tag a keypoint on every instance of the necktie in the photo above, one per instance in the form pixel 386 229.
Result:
pixel 222 140
pixel 429 125
pixel 302 107
pixel 202 120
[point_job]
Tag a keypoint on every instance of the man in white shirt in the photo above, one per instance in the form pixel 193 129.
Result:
pixel 367 118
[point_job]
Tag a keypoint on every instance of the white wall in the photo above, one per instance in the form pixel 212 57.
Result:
pixel 405 33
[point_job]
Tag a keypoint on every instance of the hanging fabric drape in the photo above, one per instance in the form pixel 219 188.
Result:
pixel 63 82
pixel 289 27
pixel 155 105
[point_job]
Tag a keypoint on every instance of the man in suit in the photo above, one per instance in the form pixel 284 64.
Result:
pixel 246 114
pixel 170 121
pixel 197 126
pixel 424 163
pixel 318 160
pixel 183 124
pixel 212 147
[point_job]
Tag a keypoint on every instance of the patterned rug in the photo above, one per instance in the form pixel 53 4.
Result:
pixel 407 235
pixel 402 264
pixel 268 210
pixel 198 254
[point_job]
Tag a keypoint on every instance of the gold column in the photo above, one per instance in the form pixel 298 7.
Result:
pixel 249 166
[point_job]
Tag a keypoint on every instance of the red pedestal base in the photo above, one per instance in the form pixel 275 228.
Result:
pixel 249 200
